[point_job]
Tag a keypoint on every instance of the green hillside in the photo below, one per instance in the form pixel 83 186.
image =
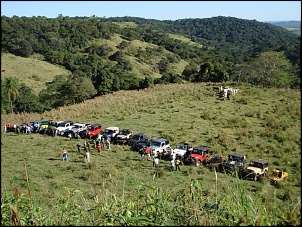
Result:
pixel 31 71
pixel 105 55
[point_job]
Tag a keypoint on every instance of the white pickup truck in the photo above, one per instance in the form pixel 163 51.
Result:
pixel 64 127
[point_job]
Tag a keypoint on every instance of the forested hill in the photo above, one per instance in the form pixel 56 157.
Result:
pixel 225 34
pixel 104 55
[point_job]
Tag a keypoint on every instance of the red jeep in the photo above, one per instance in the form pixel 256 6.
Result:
pixel 92 131
pixel 198 155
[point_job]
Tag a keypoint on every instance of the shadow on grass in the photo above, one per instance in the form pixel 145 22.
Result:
pixel 59 159
pixel 52 159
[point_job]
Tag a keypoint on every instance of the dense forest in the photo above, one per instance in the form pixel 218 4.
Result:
pixel 225 49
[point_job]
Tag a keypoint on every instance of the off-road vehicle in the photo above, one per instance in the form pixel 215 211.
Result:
pixel 111 132
pixel 198 155
pixel 277 175
pixel 215 163
pixel 160 146
pixel 146 142
pixel 256 169
pixel 235 163
pixel 181 149
pixel 136 139
pixel 51 127
pixel 92 131
pixel 63 127
pixel 123 136
pixel 76 129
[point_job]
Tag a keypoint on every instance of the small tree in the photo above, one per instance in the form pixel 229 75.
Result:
pixel 12 86
pixel 270 69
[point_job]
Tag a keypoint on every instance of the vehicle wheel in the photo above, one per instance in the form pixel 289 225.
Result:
pixel 197 163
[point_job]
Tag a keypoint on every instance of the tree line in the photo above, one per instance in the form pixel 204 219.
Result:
pixel 271 61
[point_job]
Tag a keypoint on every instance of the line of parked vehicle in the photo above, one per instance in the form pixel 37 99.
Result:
pixel 235 164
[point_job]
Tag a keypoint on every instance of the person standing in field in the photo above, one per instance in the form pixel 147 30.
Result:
pixel 88 156
pixel 55 132
pixel 172 165
pixel 64 155
pixel 88 146
pixel 177 163
pixel 85 146
pixel 143 152
pixel 156 162
pixel 148 152
pixel 103 141
pixel 99 148
pixel 108 144
pixel 79 147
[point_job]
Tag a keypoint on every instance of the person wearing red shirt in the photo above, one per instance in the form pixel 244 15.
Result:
pixel 148 153
pixel 64 155
pixel 99 148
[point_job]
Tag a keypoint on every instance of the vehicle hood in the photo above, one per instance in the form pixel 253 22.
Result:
pixel 133 141
pixel 179 151
pixel 122 137
pixel 195 155
pixel 253 169
pixel 231 163
pixel 107 134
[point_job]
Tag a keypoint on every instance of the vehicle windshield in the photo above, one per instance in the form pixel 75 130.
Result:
pixel 156 144
pixel 215 159
pixel 197 151
pixel 125 132
pixel 276 174
pixel 61 125
pixel 53 124
pixel 235 158
pixel 109 131
pixel 136 137
pixel 256 164
pixel 181 146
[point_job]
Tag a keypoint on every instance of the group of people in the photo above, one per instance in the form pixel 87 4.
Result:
pixel 23 128
pixel 98 144
pixel 175 160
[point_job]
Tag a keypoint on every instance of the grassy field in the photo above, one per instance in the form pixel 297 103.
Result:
pixel 33 71
pixel 118 187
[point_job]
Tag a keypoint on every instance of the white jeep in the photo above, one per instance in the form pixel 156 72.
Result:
pixel 256 169
pixel 181 149
pixel 160 146
pixel 111 132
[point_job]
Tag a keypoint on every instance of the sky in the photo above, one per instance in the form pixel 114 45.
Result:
pixel 159 10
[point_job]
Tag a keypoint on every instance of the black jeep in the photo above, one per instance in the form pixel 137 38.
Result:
pixel 235 164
